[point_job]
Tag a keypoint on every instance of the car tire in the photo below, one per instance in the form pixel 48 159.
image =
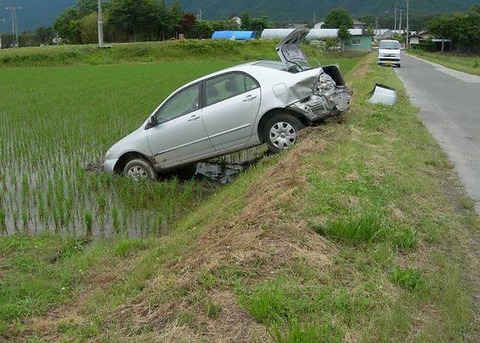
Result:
pixel 138 169
pixel 281 132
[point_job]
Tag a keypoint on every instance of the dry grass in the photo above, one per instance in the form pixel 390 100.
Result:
pixel 256 243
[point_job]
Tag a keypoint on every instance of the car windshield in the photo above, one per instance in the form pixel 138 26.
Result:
pixel 390 45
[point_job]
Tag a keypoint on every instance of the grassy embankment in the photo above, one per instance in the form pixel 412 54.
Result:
pixel 467 64
pixel 360 233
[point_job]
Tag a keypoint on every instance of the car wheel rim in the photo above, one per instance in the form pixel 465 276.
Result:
pixel 137 172
pixel 283 135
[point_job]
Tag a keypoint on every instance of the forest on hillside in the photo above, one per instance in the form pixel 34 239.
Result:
pixel 35 14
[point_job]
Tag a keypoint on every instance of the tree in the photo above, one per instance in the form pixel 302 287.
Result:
pixel 44 35
pixel 136 19
pixel 85 7
pixel 89 28
pixel 188 23
pixel 343 35
pixel 68 26
pixel 245 18
pixel 462 28
pixel 259 24
pixel 338 17
pixel 175 18
pixel 203 29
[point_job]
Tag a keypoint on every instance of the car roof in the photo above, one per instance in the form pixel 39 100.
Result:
pixel 251 68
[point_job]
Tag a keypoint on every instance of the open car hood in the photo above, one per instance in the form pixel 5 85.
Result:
pixel 290 53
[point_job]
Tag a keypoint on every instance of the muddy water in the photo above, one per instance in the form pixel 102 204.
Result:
pixel 70 202
pixel 225 169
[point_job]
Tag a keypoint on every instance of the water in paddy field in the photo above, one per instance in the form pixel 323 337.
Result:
pixel 223 170
pixel 58 197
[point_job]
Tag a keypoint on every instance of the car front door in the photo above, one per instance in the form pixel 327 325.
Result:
pixel 178 135
pixel 231 106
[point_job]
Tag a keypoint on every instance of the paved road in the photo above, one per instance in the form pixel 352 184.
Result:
pixel 450 107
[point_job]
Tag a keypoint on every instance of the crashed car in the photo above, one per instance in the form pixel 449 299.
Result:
pixel 231 110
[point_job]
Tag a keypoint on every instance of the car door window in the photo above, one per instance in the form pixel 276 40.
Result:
pixel 185 101
pixel 226 86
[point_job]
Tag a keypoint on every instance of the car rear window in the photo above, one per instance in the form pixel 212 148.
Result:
pixel 272 64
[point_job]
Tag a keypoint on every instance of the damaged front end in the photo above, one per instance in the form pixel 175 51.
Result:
pixel 329 96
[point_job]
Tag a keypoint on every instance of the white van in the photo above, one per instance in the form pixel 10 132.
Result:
pixel 389 53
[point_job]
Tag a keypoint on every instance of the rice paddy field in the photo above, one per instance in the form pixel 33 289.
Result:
pixel 58 121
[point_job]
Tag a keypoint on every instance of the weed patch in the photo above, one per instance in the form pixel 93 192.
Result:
pixel 408 278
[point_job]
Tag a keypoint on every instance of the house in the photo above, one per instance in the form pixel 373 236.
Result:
pixel 357 24
pixel 237 20
pixel 360 42
pixel 414 39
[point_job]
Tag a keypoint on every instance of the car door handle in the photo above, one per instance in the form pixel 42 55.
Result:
pixel 194 117
pixel 249 98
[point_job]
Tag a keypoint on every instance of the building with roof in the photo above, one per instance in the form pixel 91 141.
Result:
pixel 234 35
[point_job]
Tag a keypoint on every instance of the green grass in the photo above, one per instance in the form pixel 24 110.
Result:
pixel 57 121
pixel 147 52
pixel 364 237
pixel 467 64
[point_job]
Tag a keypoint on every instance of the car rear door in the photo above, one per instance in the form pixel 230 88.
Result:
pixel 231 102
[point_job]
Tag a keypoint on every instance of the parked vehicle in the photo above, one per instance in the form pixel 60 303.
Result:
pixel 389 53
pixel 231 110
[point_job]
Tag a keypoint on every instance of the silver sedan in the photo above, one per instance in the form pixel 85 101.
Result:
pixel 231 110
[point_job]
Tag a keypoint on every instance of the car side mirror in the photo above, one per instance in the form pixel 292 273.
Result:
pixel 152 121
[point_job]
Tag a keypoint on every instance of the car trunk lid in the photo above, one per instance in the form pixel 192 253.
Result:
pixel 291 54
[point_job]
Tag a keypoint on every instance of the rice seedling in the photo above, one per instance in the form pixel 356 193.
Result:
pixel 59 120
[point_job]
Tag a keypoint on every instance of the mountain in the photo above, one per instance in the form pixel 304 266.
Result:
pixel 32 14
pixel 284 11
pixel 37 13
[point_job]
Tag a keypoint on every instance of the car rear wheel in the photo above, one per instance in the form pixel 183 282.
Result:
pixel 138 169
pixel 281 131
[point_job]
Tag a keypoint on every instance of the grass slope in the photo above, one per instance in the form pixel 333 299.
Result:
pixel 359 233
pixel 467 64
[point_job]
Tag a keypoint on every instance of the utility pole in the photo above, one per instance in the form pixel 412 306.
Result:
pixel 199 14
pixel 408 28
pixel 14 22
pixel 3 21
pixel 395 25
pixel 100 24
pixel 400 24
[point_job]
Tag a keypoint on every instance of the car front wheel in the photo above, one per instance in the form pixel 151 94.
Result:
pixel 138 168
pixel 281 131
